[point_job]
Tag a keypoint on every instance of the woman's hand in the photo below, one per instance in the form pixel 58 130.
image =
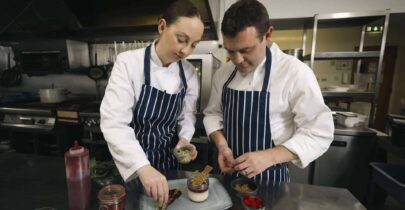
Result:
pixel 155 184
pixel 183 142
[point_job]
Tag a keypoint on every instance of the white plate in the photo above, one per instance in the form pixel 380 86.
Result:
pixel 218 198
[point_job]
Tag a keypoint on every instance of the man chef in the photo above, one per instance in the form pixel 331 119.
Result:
pixel 266 107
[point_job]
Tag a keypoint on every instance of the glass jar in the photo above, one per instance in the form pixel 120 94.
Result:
pixel 197 193
pixel 112 197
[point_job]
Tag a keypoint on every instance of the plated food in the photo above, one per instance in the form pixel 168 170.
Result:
pixel 243 187
pixel 198 185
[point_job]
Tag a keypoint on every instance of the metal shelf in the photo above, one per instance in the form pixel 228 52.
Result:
pixel 346 15
pixel 341 130
pixel 291 23
pixel 343 55
pixel 26 111
pixel 344 19
pixel 94 129
pixel 347 94
pixel 39 128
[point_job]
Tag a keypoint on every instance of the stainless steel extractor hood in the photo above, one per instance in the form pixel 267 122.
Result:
pixel 91 20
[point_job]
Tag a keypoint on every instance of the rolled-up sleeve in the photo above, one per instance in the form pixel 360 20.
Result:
pixel 116 114
pixel 313 120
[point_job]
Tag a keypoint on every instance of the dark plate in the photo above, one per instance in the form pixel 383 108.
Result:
pixel 243 183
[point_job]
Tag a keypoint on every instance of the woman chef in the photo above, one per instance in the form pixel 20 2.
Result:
pixel 149 103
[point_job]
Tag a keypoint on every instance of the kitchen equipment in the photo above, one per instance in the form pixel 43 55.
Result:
pixel 397 129
pixel 346 163
pixel 97 73
pixel 30 127
pixel 391 178
pixel 42 57
pixel 77 165
pixel 42 128
pixel 218 197
pixel 10 77
pixel 53 95
pixel 297 52
pixel 205 66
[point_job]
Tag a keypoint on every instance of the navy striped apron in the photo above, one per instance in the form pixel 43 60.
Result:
pixel 247 124
pixel 155 120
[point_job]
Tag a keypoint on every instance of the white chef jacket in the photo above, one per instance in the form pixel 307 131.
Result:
pixel 299 118
pixel 121 95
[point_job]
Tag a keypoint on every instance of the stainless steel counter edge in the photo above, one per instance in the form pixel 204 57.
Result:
pixel 339 130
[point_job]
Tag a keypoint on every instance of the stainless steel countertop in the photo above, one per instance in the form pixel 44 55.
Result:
pixel 340 130
pixel 42 181
pixel 310 197
pixel 287 196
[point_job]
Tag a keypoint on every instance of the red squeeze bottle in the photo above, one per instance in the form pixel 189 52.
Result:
pixel 78 177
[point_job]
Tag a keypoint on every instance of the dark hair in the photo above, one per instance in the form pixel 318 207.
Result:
pixel 243 14
pixel 180 8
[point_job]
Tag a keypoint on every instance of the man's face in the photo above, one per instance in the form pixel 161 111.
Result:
pixel 246 49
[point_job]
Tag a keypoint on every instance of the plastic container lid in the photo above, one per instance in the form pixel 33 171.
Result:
pixel 111 194
pixel 76 149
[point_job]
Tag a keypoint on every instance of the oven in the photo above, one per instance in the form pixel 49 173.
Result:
pixel 30 128
pixel 38 128
pixel 205 66
pixel 92 136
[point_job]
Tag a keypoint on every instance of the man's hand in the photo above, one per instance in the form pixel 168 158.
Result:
pixel 183 142
pixel 225 159
pixel 155 184
pixel 225 156
pixel 252 163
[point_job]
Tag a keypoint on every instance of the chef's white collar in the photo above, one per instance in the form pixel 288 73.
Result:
pixel 155 58
pixel 273 49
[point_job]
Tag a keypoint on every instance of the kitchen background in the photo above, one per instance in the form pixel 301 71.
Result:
pixel 328 72
pixel 24 21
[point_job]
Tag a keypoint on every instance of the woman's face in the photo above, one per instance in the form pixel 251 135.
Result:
pixel 178 40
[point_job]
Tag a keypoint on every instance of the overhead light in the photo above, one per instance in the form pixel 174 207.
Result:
pixel 374 29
